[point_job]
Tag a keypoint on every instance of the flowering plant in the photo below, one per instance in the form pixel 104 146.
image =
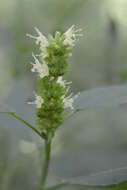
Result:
pixel 52 97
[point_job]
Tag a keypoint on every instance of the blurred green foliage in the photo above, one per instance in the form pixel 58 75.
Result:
pixel 99 59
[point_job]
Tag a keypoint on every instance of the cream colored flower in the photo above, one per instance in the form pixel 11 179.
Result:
pixel 62 82
pixel 70 36
pixel 41 69
pixel 69 100
pixel 38 101
pixel 42 41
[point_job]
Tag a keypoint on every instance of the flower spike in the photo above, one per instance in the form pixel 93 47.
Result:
pixel 52 99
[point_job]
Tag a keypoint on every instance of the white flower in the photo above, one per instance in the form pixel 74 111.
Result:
pixel 38 101
pixel 62 82
pixel 51 78
pixel 42 69
pixel 69 100
pixel 70 36
pixel 41 40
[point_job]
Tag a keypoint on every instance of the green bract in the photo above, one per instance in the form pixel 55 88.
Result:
pixel 51 113
pixel 56 55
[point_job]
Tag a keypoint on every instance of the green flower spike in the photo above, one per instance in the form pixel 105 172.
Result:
pixel 51 98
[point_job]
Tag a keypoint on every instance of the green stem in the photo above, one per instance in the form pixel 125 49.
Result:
pixel 46 163
pixel 12 114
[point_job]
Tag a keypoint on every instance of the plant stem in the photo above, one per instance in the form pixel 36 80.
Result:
pixel 14 115
pixel 46 163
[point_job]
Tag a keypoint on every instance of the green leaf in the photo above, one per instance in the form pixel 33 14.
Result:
pixel 14 115
pixel 112 96
pixel 69 186
pixel 92 183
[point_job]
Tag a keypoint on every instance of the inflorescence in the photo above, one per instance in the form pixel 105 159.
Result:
pixel 51 98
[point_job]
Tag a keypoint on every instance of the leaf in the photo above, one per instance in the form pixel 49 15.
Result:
pixel 13 114
pixel 106 177
pixel 59 186
pixel 112 96
pixel 69 186
pixel 97 181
